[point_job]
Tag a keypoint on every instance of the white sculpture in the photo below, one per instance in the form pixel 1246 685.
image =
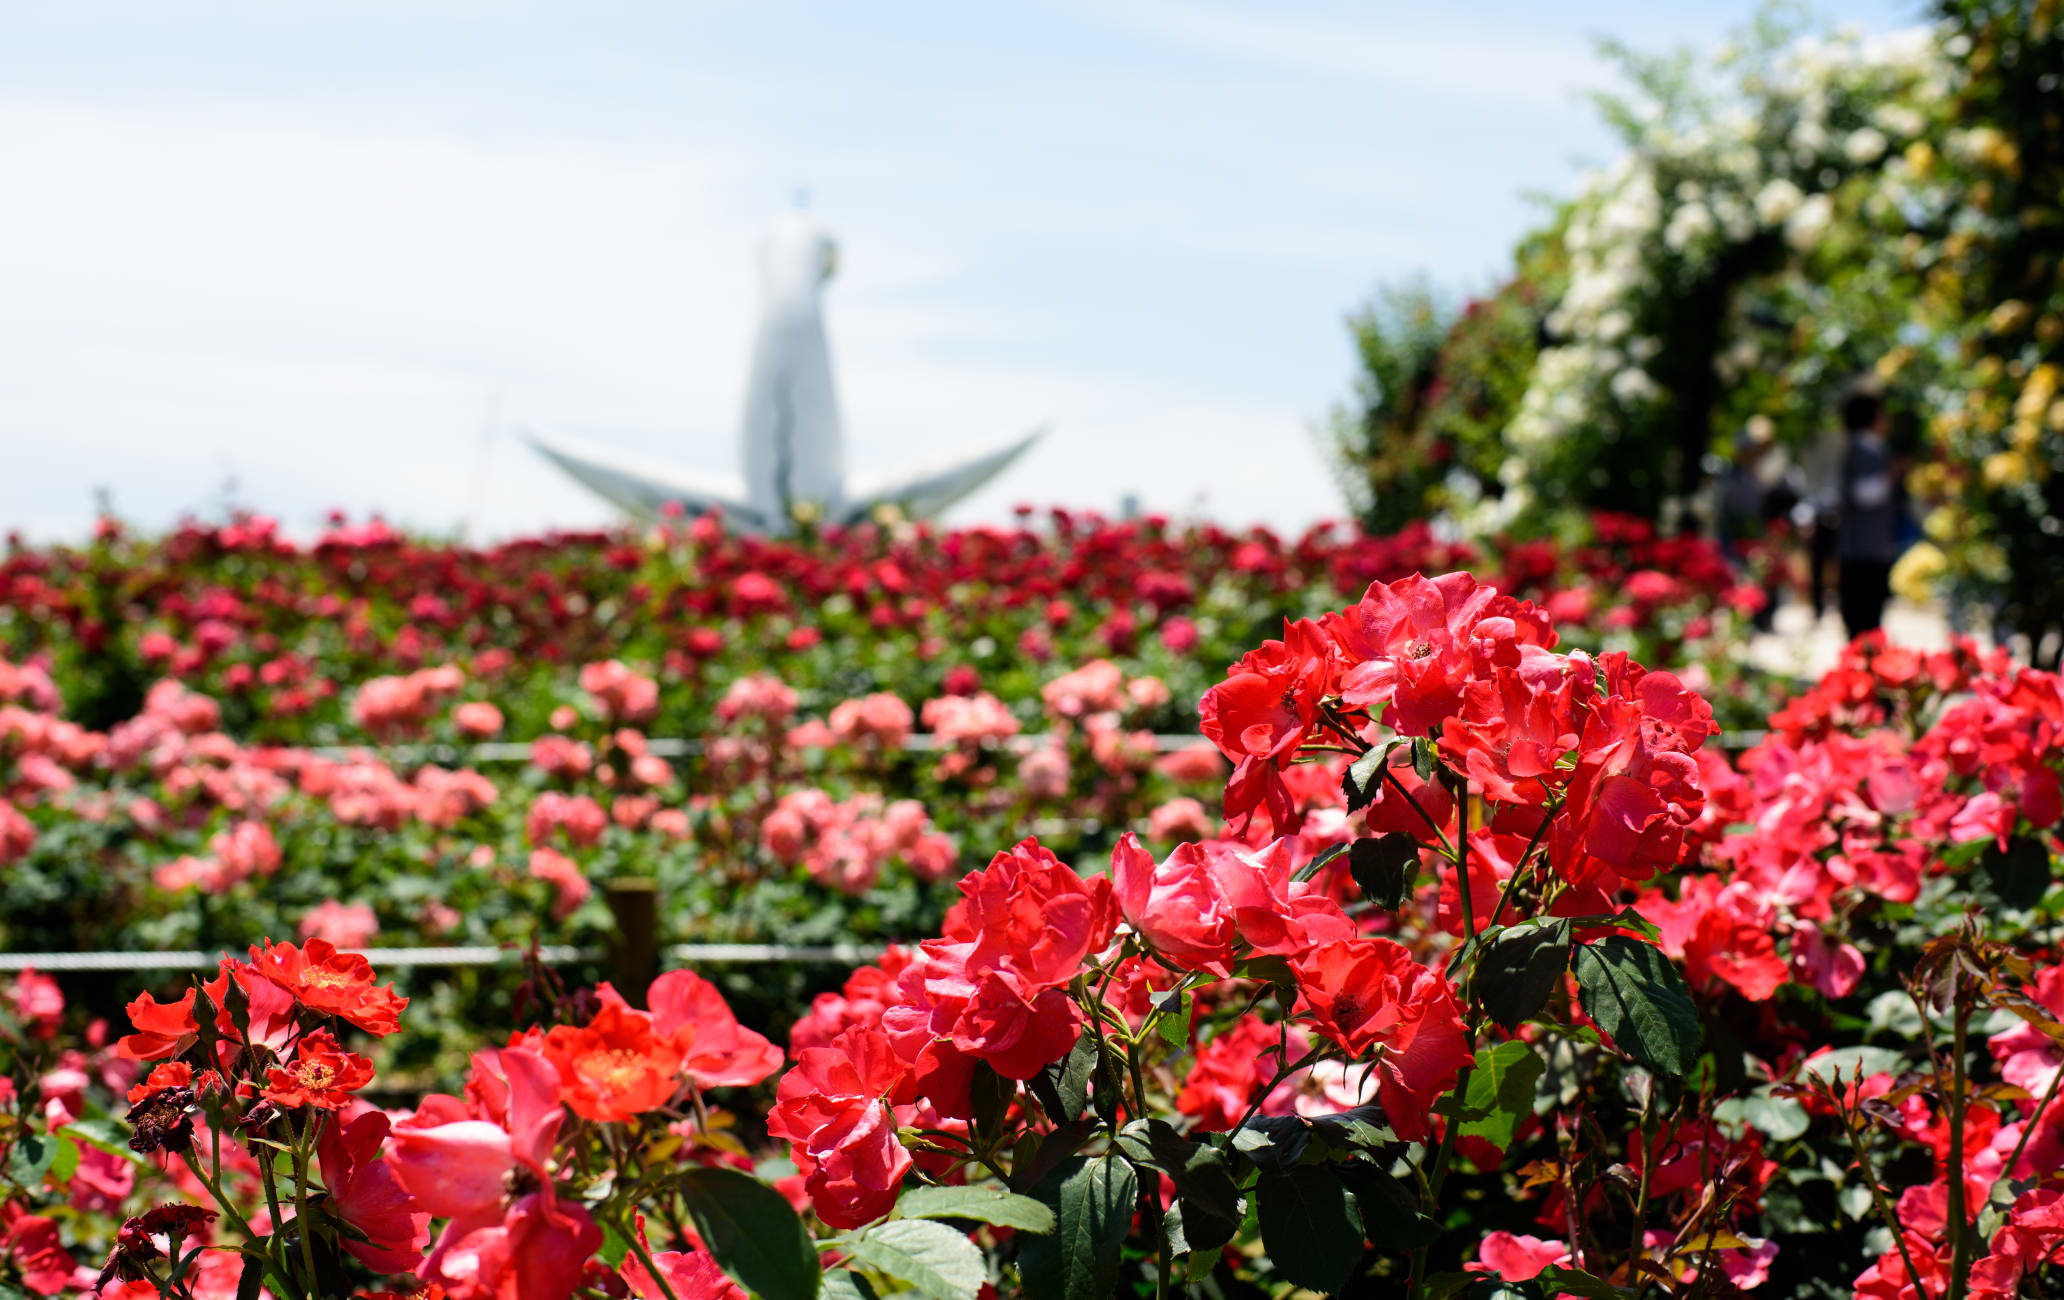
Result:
pixel 793 443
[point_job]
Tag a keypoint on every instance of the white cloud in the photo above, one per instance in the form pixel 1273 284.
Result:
pixel 331 317
pixel 1460 60
pixel 316 248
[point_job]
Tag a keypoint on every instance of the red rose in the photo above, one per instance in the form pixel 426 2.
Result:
pixel 162 1028
pixel 331 983
pixel 322 1075
pixel 1368 993
pixel 833 1108
pixel 614 1067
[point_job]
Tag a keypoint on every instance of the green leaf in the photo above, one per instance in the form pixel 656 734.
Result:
pixel 1571 1281
pixel 1175 1017
pixel 1383 867
pixel 1520 969
pixel 1108 1088
pixel 1272 1141
pixel 1360 1129
pixel 1092 1203
pixel 1630 919
pixel 67 1162
pixel 989 1094
pixel 251 1282
pixel 1963 855
pixel 106 1134
pixel 844 1284
pixel 1318 863
pixel 1207 1209
pixel 754 1235
pixel 1365 775
pixel 982 1204
pixel 1063 1087
pixel 29 1160
pixel 1425 758
pixel 1390 1213
pixel 1310 1227
pixel 931 1258
pixel 1634 994
pixel 2018 875
pixel 1501 1092
pixel 1775 1117
pixel 1266 968
pixel 614 1246
pixel 1035 1157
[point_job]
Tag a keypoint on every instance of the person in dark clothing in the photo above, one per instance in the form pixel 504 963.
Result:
pixel 1818 513
pixel 1866 539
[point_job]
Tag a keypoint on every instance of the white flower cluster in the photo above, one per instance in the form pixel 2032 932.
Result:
pixel 1661 214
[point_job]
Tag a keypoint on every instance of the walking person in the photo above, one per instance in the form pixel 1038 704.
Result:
pixel 1867 534
pixel 1754 510
pixel 1818 512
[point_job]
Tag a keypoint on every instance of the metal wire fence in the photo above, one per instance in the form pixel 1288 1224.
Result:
pixel 740 954
pixel 687 954
pixel 516 751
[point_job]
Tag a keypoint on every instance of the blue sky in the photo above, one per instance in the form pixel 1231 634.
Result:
pixel 335 251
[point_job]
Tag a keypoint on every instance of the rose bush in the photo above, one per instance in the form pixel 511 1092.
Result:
pixel 1497 976
pixel 220 736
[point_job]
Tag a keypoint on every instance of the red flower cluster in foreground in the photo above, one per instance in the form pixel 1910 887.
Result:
pixel 1609 744
pixel 269 1070
pixel 1594 757
pixel 1481 907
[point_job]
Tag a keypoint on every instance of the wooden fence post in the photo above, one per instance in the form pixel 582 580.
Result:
pixel 634 948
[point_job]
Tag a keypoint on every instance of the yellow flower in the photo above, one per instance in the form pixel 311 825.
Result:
pixel 1889 365
pixel 2009 316
pixel 2036 394
pixel 2004 469
pixel 1942 523
pixel 1916 573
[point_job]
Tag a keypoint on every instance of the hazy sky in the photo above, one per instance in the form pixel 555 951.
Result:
pixel 334 252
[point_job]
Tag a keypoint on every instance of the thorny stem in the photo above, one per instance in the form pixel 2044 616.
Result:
pixel 1461 789
pixel 1647 1164
pixel 235 1216
pixel 1433 1182
pixel 1338 726
pixel 1885 1208
pixel 1139 1083
pixel 1519 869
pixel 301 1149
pixel 1094 1005
pixel 701 1111
pixel 267 1178
pixel 1341 729
pixel 1282 1074
pixel 1164 1257
pixel 1567 1154
pixel 1424 816
pixel 1959 1213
